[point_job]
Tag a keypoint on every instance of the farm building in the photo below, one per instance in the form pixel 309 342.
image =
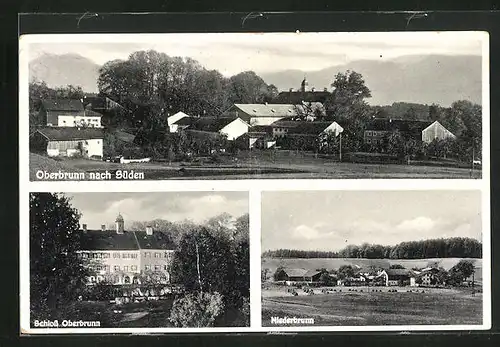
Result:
pixel 232 128
pixel 301 95
pixel 427 277
pixel 261 114
pixel 294 276
pixel 305 129
pixel 121 256
pixel 260 136
pixel 396 277
pixel 101 103
pixel 173 119
pixel 425 131
pixel 68 113
pixel 67 142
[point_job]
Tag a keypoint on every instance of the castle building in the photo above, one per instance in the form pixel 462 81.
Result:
pixel 123 257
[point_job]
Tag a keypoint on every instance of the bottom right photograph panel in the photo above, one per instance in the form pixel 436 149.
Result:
pixel 372 258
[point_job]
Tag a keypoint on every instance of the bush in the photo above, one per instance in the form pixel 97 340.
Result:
pixel 196 310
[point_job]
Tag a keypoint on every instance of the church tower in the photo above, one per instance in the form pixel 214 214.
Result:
pixel 303 85
pixel 119 222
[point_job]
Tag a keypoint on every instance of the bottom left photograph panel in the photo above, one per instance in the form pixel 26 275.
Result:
pixel 138 260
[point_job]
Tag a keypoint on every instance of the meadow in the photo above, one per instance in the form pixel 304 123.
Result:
pixel 366 308
pixel 247 166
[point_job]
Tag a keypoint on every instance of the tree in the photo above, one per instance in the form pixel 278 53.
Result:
pixel 196 310
pixel 348 96
pixel 461 271
pixel 346 271
pixel 57 274
pixel 326 279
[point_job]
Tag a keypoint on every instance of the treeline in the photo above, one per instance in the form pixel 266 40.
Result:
pixel 455 247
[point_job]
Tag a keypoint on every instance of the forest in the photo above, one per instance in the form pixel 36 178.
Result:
pixel 455 247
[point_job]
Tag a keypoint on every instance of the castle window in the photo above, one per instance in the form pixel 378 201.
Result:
pixel 125 268
pixel 157 255
pixel 157 267
pixel 133 267
pixel 117 268
pixel 147 254
pixel 148 267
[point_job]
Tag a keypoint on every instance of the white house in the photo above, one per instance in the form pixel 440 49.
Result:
pixel 230 127
pixel 68 141
pixel 173 127
pixel 261 114
pixel 68 113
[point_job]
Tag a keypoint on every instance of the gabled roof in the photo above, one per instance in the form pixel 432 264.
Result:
pixel 185 121
pixel 296 97
pixel 295 272
pixel 302 127
pixel 101 240
pixel 70 133
pixel 74 105
pixel 397 272
pixel 211 124
pixel 268 110
pixel 156 241
pixel 311 273
pixel 179 114
pixel 91 113
pixel 385 124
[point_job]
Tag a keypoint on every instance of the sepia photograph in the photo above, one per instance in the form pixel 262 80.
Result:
pixel 253 105
pixel 373 259
pixel 138 260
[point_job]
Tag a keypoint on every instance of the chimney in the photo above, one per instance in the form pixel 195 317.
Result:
pixel 325 89
pixel 312 89
pixel 291 90
pixel 103 227
pixel 84 227
pixel 149 230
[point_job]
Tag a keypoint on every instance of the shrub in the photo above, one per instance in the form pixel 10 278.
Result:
pixel 196 310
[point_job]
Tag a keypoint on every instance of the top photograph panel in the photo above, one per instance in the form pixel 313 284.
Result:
pixel 254 106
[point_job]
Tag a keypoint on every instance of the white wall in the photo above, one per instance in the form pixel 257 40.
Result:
pixel 264 120
pixel 72 121
pixel 435 131
pixel 235 129
pixel 335 128
pixel 94 147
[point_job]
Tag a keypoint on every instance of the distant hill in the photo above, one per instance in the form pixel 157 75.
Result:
pixel 427 79
pixel 61 70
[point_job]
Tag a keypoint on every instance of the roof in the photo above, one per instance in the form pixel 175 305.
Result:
pixel 70 133
pixel 124 136
pixel 311 273
pixel 91 113
pixel 295 272
pixel 397 272
pixel 385 124
pixel 211 124
pixel 101 240
pixel 109 240
pixel 185 121
pixel 302 127
pixel 156 241
pixel 260 129
pixel 268 110
pixel 62 105
pixel 296 97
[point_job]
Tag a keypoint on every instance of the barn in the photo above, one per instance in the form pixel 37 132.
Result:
pixel 296 276
pixel 68 142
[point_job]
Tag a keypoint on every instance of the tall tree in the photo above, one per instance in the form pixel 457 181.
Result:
pixel 57 274
pixel 348 96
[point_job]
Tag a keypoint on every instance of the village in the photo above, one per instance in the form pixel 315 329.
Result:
pixel 292 128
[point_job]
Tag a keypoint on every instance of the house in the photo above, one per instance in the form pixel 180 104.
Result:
pixel 260 136
pixel 425 131
pixel 305 129
pixel 68 113
pixel 302 95
pixel 101 103
pixel 67 142
pixel 261 114
pixel 123 257
pixel 427 277
pixel 298 276
pixel 395 277
pixel 171 121
pixel 232 128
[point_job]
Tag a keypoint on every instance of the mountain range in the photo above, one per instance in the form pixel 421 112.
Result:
pixel 422 79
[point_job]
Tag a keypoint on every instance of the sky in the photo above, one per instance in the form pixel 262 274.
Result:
pixel 231 53
pixel 102 208
pixel 335 219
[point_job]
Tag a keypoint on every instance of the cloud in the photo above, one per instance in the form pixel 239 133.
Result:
pixel 305 232
pixel 417 224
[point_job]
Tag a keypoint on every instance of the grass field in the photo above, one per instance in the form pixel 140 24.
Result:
pixel 245 166
pixel 334 263
pixel 434 307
